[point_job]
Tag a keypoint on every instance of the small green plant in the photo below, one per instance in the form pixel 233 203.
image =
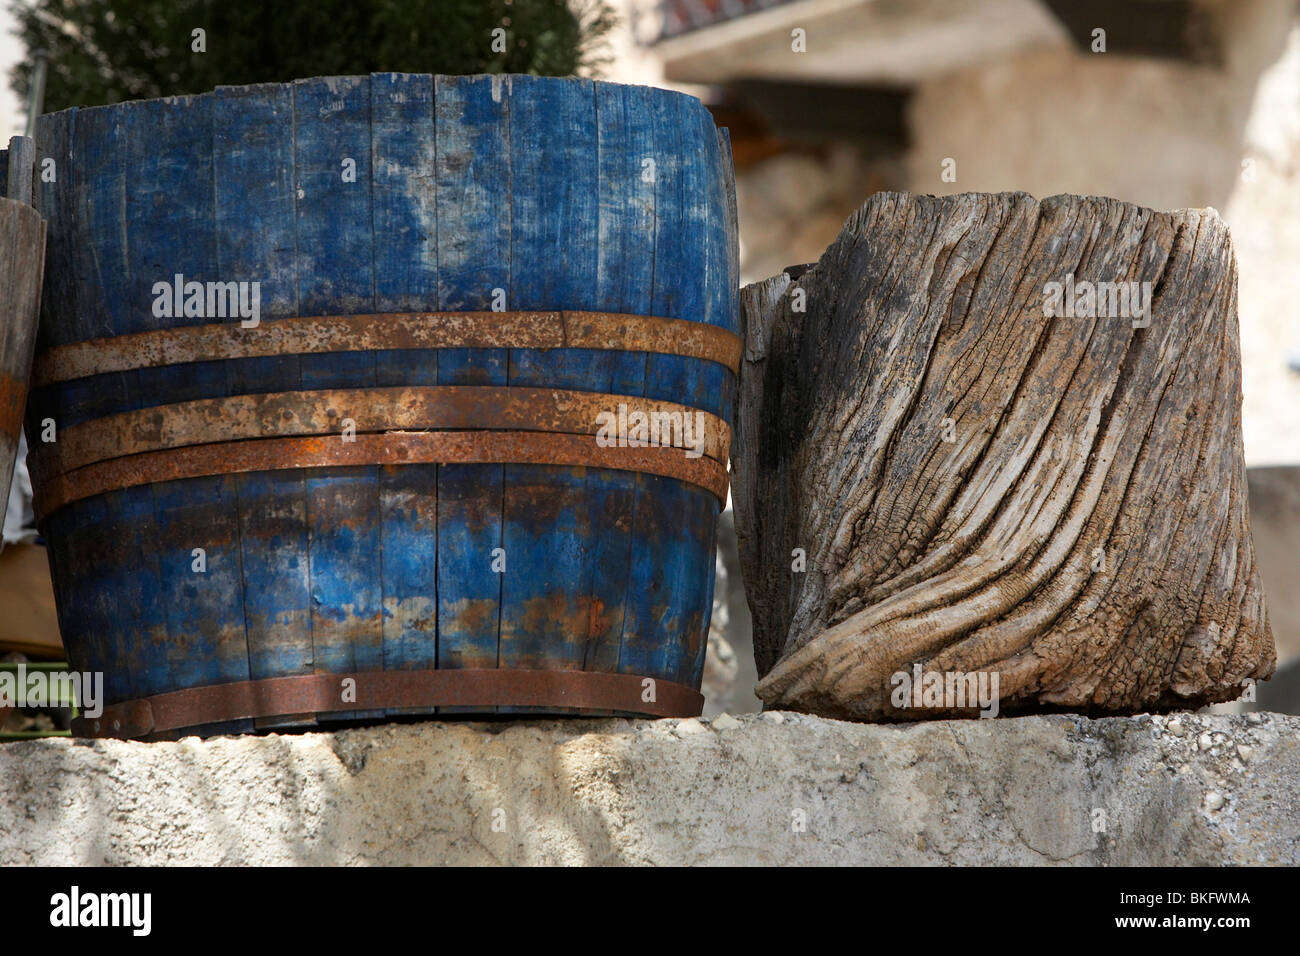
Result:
pixel 107 51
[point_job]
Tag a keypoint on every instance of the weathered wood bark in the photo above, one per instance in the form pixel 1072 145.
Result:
pixel 22 266
pixel 978 486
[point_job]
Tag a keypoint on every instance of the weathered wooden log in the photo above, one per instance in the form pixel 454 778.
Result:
pixel 959 452
pixel 22 266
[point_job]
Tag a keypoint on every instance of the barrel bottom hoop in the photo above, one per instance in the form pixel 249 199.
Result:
pixel 389 448
pixel 380 690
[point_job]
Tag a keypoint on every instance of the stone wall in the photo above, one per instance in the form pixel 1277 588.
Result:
pixel 771 789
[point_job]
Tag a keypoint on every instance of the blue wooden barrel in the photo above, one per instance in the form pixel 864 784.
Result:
pixel 377 483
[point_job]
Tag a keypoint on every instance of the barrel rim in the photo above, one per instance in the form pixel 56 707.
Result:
pixel 236 89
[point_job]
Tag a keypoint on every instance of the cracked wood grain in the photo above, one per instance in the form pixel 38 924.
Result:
pixel 981 486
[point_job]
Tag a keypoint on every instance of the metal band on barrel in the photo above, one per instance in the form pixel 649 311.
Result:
pixel 285 414
pixel 387 448
pixel 375 690
pixel 307 335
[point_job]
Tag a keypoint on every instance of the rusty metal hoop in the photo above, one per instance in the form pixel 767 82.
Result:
pixel 305 335
pixel 379 690
pixel 325 412
pixel 388 448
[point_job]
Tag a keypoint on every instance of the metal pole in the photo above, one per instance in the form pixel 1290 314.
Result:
pixel 36 92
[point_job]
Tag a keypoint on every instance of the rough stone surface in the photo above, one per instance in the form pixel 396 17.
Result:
pixel 1026 790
